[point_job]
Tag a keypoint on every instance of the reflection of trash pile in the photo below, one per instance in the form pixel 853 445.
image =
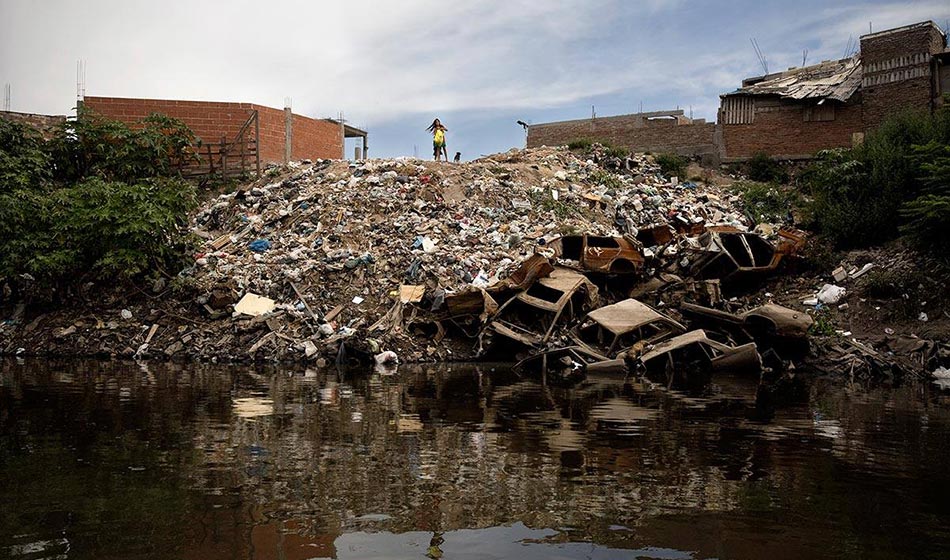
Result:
pixel 501 257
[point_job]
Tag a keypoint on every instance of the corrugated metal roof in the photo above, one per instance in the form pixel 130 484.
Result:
pixel 836 79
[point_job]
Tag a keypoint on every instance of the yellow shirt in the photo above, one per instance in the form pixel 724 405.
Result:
pixel 439 137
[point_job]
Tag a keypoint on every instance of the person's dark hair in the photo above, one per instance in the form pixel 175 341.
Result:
pixel 435 124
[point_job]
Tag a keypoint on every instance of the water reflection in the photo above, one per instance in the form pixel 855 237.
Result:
pixel 128 461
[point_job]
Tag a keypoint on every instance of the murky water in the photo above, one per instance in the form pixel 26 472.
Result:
pixel 122 461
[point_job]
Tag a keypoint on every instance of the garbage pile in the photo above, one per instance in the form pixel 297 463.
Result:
pixel 337 260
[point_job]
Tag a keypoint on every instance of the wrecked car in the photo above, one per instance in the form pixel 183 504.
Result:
pixel 737 256
pixel 531 316
pixel 770 325
pixel 628 324
pixel 569 363
pixel 695 350
pixel 606 255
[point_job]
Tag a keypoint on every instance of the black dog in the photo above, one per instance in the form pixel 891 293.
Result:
pixel 458 156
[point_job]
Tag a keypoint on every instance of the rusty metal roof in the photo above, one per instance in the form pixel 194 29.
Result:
pixel 835 79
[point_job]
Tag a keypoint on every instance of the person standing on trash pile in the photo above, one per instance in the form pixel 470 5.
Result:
pixel 438 139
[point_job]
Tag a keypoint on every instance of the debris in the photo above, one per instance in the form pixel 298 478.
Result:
pixel 259 245
pixel 697 351
pixel 254 305
pixel 126 314
pixel 387 357
pixel 619 328
pixel 830 294
pixel 864 270
pixel 839 274
pixel 411 294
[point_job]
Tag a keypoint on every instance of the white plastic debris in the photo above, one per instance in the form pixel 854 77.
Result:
pixel 864 270
pixel 829 293
pixel 923 317
pixel 839 274
pixel 387 357
pixel 126 314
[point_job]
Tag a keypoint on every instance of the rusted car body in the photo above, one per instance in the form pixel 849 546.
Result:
pixel 531 317
pixel 696 349
pixel 778 320
pixel 770 325
pixel 569 363
pixel 606 255
pixel 624 326
pixel 736 256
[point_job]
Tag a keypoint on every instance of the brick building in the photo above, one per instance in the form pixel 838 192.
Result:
pixel 791 114
pixel 660 131
pixel 240 129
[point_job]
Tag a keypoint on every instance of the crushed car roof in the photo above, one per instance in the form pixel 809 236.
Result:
pixel 624 316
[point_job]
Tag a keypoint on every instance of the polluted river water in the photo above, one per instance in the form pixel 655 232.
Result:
pixel 124 460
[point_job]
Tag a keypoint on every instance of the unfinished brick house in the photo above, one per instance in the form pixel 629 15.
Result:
pixel 238 137
pixel 791 114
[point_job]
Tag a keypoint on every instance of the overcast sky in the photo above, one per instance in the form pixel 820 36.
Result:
pixel 392 66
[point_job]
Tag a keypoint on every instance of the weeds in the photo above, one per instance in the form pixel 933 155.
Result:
pixel 579 144
pixel 672 165
pixel 768 202
pixel 764 169
pixel 823 325
pixel 605 178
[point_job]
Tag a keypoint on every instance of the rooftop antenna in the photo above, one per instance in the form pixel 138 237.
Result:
pixel 759 55
pixel 804 57
pixel 80 80
pixel 6 97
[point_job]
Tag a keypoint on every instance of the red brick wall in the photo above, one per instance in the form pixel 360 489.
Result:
pixel 780 130
pixel 45 124
pixel 316 139
pixel 629 131
pixel 210 120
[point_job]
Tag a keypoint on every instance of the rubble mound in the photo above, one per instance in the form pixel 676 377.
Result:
pixel 333 245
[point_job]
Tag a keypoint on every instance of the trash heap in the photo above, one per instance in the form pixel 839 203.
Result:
pixel 333 259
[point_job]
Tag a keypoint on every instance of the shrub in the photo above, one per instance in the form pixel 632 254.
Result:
pixel 869 194
pixel 579 144
pixel 672 165
pixel 615 152
pixel 97 202
pixel 763 168
pixel 91 145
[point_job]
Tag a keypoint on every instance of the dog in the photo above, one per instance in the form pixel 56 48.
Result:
pixel 458 156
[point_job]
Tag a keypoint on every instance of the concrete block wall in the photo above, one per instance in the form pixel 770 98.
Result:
pixel 212 120
pixel 779 129
pixel 631 132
